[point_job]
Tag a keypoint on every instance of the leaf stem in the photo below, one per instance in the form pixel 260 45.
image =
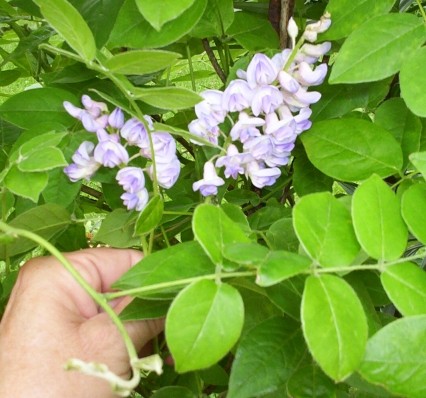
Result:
pixel 422 10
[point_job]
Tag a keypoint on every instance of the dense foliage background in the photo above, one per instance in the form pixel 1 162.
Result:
pixel 313 286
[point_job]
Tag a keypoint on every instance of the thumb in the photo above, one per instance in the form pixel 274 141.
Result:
pixel 142 332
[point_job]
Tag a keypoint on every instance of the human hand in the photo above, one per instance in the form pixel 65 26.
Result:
pixel 50 319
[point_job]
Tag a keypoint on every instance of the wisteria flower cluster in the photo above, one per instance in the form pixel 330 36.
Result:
pixel 114 135
pixel 273 104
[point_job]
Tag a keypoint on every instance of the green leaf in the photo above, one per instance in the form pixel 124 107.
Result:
pixel 141 62
pixel 46 221
pixel 405 284
pixel 186 260
pixel 9 76
pixel 60 189
pixel 68 22
pixel 258 371
pixel 151 216
pixel 173 392
pixel 27 185
pixel 100 15
pixel 352 149
pixel 140 309
pixel 394 116
pixel 246 254
pixel 117 229
pixel 347 15
pixel 377 220
pixel 412 79
pixel 396 357
pixel 413 206
pixel 280 265
pixel 419 161
pixel 132 30
pixel 309 381
pixel 158 15
pixel 203 324
pixel 39 142
pixel 287 295
pixel 216 20
pixel 36 106
pixel 378 48
pixel 173 98
pixel 281 235
pixel 213 229
pixel 42 160
pixel 323 226
pixel 334 325
pixel 253 32
pixel 340 99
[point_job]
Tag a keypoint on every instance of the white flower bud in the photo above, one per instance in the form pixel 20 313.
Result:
pixel 293 31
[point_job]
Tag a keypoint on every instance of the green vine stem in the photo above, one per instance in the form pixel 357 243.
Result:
pixel 422 10
pixel 117 383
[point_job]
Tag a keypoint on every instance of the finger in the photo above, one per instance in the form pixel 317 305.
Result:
pixel 142 332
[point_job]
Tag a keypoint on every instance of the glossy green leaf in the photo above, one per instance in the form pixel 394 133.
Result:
pixel 253 32
pixel 216 20
pixel 419 161
pixel 39 142
pixel 140 309
pixel 377 220
pixel 46 221
pixel 413 206
pixel 68 22
pixel 396 357
pixel 258 371
pixel 140 62
pixel 378 48
pixel 174 98
pixel 352 149
pixel 213 229
pixel 151 216
pixel 347 15
pixel 41 105
pixel 158 15
pixel 60 189
pixel 281 235
pixel 279 265
pixel 117 229
pixel 203 324
pixel 287 295
pixel 27 185
pixel 412 80
pixel 405 284
pixel 186 260
pixel 9 76
pixel 132 30
pixel 173 392
pixel 340 99
pixel 309 381
pixel 246 254
pixel 45 159
pixel 334 325
pixel 394 116
pixel 100 15
pixel 323 226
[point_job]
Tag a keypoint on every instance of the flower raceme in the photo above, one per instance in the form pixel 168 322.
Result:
pixel 113 136
pixel 272 101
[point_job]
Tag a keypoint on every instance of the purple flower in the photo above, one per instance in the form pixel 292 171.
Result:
pixel 309 77
pixel 164 146
pixel 198 128
pixel 259 147
pixel 210 110
pixel 116 118
pixel 234 161
pixel 72 110
pixel 288 82
pixel 302 120
pixel 246 127
pixel 134 132
pixel 167 171
pixel 93 124
pixel 135 201
pixel 315 51
pixel 302 98
pixel 84 165
pixel 109 151
pixel 312 29
pixel 283 131
pixel 281 58
pixel 95 108
pixel 237 96
pixel 208 185
pixel 266 100
pixel 131 179
pixel 261 71
pixel 262 176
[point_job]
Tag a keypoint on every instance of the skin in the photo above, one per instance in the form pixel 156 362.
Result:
pixel 50 319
